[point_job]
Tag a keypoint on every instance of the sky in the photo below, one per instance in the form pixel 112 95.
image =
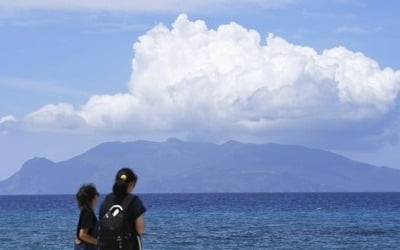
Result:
pixel 323 74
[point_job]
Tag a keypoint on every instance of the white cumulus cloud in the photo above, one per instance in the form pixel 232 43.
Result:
pixel 191 79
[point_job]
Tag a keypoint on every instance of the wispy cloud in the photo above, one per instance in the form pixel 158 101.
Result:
pixel 350 30
pixel 133 5
pixel 40 86
pixel 6 122
pixel 329 15
pixel 110 28
pixel 8 118
pixel 34 21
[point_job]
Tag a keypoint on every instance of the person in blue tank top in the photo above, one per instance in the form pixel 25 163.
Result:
pixel 87 229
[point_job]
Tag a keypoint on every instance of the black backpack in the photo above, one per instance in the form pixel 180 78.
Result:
pixel 115 229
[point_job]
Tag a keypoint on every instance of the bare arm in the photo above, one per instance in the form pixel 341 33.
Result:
pixel 83 235
pixel 139 225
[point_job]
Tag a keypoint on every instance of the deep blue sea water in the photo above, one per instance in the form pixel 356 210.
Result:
pixel 220 221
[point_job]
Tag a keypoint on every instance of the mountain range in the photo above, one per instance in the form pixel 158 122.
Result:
pixel 176 166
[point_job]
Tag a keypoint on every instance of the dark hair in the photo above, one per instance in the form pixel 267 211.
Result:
pixel 85 195
pixel 122 179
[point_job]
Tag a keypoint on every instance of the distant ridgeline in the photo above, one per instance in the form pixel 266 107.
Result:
pixel 180 167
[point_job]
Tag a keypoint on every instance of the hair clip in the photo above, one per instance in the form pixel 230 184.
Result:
pixel 123 177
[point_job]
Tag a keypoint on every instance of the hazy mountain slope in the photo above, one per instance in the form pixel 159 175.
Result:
pixel 176 166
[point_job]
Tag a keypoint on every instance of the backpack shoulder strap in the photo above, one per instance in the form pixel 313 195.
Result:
pixel 108 202
pixel 127 200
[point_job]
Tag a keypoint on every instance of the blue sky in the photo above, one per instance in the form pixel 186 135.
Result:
pixel 324 74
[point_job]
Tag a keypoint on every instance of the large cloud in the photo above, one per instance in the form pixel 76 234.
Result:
pixel 195 80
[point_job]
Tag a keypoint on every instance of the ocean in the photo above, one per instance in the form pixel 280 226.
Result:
pixel 220 221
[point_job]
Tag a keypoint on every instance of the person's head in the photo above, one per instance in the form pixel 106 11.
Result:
pixel 87 196
pixel 125 181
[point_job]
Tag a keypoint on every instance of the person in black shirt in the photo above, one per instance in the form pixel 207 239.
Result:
pixel 86 231
pixel 125 181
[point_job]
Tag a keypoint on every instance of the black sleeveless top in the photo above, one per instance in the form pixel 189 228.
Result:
pixel 87 220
